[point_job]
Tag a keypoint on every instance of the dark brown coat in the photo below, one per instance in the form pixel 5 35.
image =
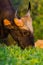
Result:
pixel 24 37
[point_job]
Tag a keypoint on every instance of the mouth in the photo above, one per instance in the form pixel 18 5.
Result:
pixel 26 39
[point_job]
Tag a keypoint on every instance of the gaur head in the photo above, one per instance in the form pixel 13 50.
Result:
pixel 25 36
pixel 20 29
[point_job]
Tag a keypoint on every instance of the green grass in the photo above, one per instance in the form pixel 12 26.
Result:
pixel 14 55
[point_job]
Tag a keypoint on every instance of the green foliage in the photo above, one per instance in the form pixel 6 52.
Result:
pixel 38 28
pixel 14 55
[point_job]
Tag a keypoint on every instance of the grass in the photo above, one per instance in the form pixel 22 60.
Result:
pixel 14 55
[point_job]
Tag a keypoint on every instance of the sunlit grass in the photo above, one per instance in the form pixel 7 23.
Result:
pixel 14 55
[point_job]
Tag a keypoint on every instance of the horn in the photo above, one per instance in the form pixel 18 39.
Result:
pixel 29 6
pixel 16 12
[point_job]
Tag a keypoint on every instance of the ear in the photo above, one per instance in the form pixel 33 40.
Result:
pixel 18 22
pixel 6 22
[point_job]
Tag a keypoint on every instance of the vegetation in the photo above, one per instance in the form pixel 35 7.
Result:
pixel 16 56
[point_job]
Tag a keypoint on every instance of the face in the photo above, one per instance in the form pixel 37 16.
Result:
pixel 25 23
pixel 26 37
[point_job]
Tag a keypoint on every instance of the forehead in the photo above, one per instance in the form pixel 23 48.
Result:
pixel 23 21
pixel 26 19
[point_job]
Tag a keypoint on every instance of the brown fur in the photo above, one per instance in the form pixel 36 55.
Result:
pixel 23 37
pixel 6 12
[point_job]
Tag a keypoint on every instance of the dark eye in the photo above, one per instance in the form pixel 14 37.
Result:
pixel 25 32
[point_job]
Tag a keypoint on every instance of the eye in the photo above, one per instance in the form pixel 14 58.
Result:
pixel 25 32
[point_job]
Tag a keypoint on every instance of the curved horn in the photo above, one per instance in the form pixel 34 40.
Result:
pixel 29 6
pixel 16 13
